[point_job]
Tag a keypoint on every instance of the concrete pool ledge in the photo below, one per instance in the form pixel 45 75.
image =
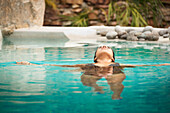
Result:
pixel 72 33
pixel 66 36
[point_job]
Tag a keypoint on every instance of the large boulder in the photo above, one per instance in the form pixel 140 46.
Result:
pixel 21 13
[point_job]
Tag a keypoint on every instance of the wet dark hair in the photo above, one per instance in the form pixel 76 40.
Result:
pixel 96 59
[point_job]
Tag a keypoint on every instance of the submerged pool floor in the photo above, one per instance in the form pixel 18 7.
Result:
pixel 25 88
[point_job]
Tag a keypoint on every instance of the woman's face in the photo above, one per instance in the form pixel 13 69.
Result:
pixel 104 51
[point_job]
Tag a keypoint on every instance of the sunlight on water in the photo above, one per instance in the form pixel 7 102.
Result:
pixel 58 89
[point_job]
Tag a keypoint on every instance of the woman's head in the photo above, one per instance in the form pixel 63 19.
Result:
pixel 104 53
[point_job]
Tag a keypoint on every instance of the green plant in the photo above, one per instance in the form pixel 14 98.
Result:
pixel 108 15
pixel 52 3
pixel 134 12
pixel 151 8
pixel 128 14
pixel 80 20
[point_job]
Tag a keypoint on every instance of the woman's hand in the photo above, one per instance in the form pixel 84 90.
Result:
pixel 24 63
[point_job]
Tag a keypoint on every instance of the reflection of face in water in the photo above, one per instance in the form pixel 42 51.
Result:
pixel 112 74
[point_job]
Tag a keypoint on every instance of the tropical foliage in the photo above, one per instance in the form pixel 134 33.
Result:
pixel 52 3
pixel 80 20
pixel 135 12
pixel 128 13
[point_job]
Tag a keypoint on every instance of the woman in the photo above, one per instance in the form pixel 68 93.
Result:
pixel 104 66
pixel 104 56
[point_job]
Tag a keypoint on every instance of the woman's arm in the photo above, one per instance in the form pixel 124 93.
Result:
pixel 131 65
pixel 28 63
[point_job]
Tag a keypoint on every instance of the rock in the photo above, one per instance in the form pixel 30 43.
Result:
pixel 136 33
pixel 103 32
pixel 124 36
pixel 101 1
pixel 131 36
pixel 96 12
pixel 102 6
pixel 67 12
pixel 57 23
pixel 74 1
pixel 98 32
pixel 77 10
pixel 27 13
pixel 93 22
pixel 169 30
pixel 166 36
pixel 141 39
pixel 67 23
pixel 155 35
pixel 162 32
pixel 148 35
pixel 128 30
pixel 101 18
pixel 91 8
pixel 92 16
pixel 7 31
pixel 148 28
pixel 142 36
pixel 84 6
pixel 111 35
pixel 154 38
pixel 113 23
pixel 93 1
pixel 120 31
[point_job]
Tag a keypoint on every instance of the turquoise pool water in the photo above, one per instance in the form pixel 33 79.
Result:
pixel 25 88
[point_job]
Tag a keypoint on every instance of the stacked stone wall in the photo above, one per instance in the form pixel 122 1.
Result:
pixel 98 8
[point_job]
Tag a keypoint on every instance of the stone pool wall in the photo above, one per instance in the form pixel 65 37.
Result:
pixel 147 33
pixel 96 33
